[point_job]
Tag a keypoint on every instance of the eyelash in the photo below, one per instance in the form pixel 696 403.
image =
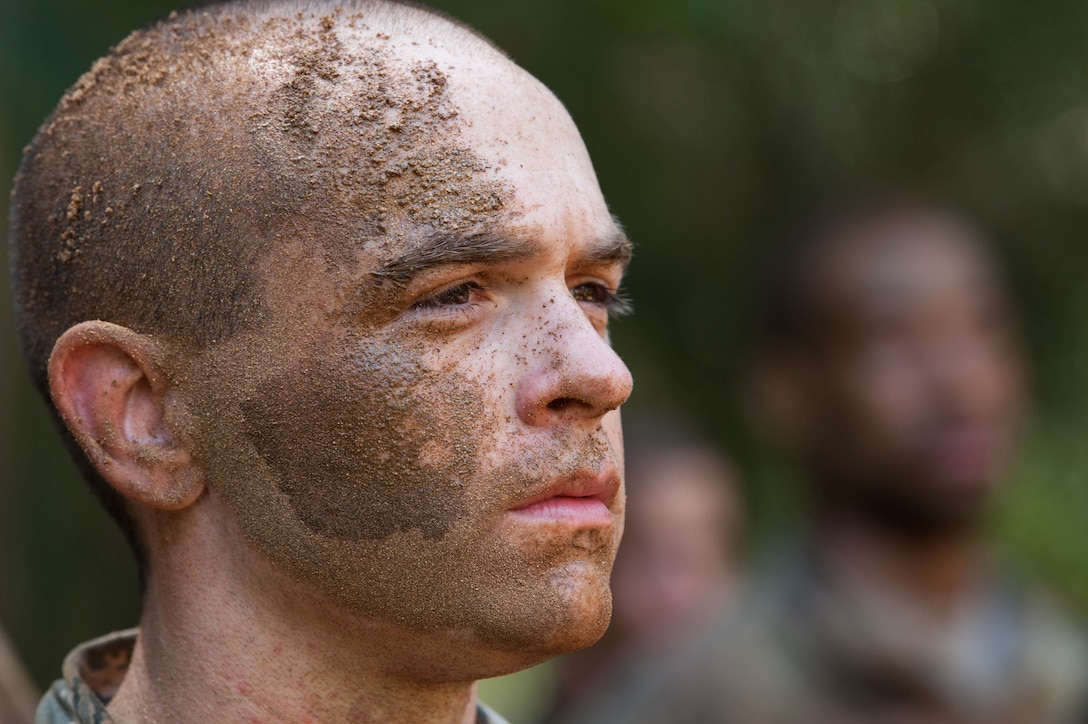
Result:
pixel 613 302
pixel 444 298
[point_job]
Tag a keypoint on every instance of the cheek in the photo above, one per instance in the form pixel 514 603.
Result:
pixel 883 396
pixel 374 480
pixel 366 448
pixel 1006 388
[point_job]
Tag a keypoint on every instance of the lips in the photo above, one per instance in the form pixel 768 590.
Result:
pixel 967 455
pixel 583 500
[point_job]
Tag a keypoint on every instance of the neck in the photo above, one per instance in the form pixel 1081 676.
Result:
pixel 214 646
pixel 940 570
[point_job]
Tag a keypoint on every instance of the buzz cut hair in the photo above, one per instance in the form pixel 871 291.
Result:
pixel 152 193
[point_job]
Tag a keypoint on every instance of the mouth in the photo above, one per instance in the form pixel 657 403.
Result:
pixel 967 456
pixel 581 500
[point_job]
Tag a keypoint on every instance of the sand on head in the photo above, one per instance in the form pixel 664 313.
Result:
pixel 195 182
pixel 210 148
pixel 164 174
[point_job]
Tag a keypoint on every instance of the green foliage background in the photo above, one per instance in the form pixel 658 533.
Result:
pixel 710 122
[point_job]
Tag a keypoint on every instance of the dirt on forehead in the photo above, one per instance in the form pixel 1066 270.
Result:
pixel 376 136
pixel 360 120
pixel 162 179
pixel 180 180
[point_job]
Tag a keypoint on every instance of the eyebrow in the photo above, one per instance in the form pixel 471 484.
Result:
pixel 614 248
pixel 446 248
pixel 488 247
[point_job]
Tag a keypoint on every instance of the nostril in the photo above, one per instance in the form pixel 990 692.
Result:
pixel 561 403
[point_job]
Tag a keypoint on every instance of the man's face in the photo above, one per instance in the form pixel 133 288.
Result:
pixel 919 375
pixel 425 432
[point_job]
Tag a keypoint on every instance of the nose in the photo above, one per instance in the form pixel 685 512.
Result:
pixel 572 373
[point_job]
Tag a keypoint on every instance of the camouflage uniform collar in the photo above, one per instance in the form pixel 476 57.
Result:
pixel 93 673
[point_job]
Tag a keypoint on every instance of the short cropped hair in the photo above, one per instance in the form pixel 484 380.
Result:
pixel 168 171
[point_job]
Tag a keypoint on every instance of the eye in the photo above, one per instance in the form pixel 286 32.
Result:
pixel 455 296
pixel 592 293
pixel 600 295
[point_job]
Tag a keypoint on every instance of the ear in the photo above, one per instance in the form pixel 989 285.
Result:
pixel 776 401
pixel 108 386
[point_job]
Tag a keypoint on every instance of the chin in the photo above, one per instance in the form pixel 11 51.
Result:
pixel 568 611
pixel 544 626
pixel 583 600
pixel 582 631
pixel 516 629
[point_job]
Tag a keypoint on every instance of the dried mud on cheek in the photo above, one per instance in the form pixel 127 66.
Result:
pixel 363 454
pixel 366 477
pixel 367 448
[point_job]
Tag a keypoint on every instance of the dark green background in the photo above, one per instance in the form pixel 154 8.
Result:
pixel 709 121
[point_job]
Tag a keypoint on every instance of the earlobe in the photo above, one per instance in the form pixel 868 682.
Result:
pixel 108 386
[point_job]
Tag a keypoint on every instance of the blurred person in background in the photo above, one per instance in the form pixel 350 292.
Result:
pixel 891 369
pixel 676 569
pixel 18 697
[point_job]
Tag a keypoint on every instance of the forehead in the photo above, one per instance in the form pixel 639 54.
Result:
pixel 400 139
pixel 902 264
pixel 527 141
pixel 401 132
pixel 528 137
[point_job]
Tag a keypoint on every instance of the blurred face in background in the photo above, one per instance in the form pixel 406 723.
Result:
pixel 913 382
pixel 678 554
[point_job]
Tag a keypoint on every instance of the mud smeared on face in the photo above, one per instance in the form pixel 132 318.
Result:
pixel 162 179
pixel 181 160
pixel 376 135
pixel 227 181
pixel 382 459
pixel 380 471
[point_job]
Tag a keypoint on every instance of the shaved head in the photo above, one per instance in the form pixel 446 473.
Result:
pixel 151 194
pixel 320 293
pixel 154 194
